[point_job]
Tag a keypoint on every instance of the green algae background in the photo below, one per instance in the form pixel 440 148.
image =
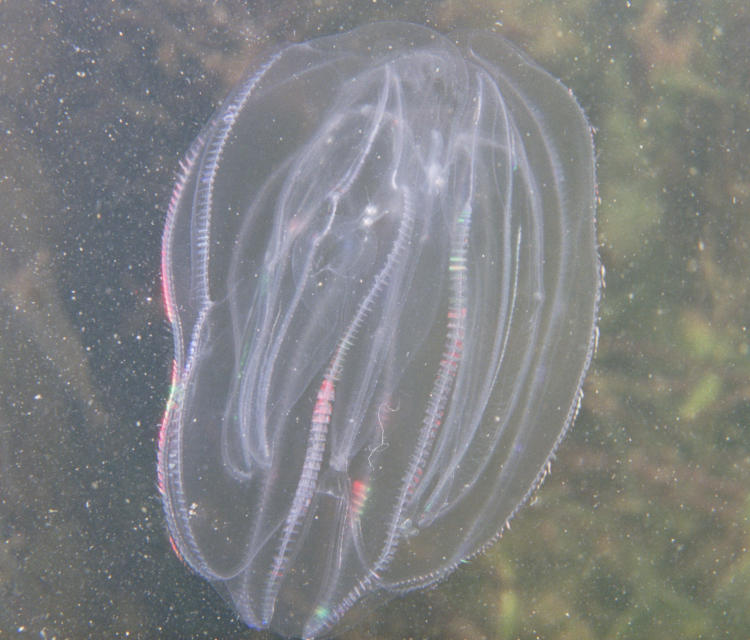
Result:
pixel 641 531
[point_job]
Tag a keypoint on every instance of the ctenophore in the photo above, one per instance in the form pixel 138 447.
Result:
pixel 381 271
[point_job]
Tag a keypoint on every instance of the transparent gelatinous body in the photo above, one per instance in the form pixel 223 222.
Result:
pixel 381 271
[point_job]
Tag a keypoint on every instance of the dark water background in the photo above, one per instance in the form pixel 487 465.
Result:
pixel 640 532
